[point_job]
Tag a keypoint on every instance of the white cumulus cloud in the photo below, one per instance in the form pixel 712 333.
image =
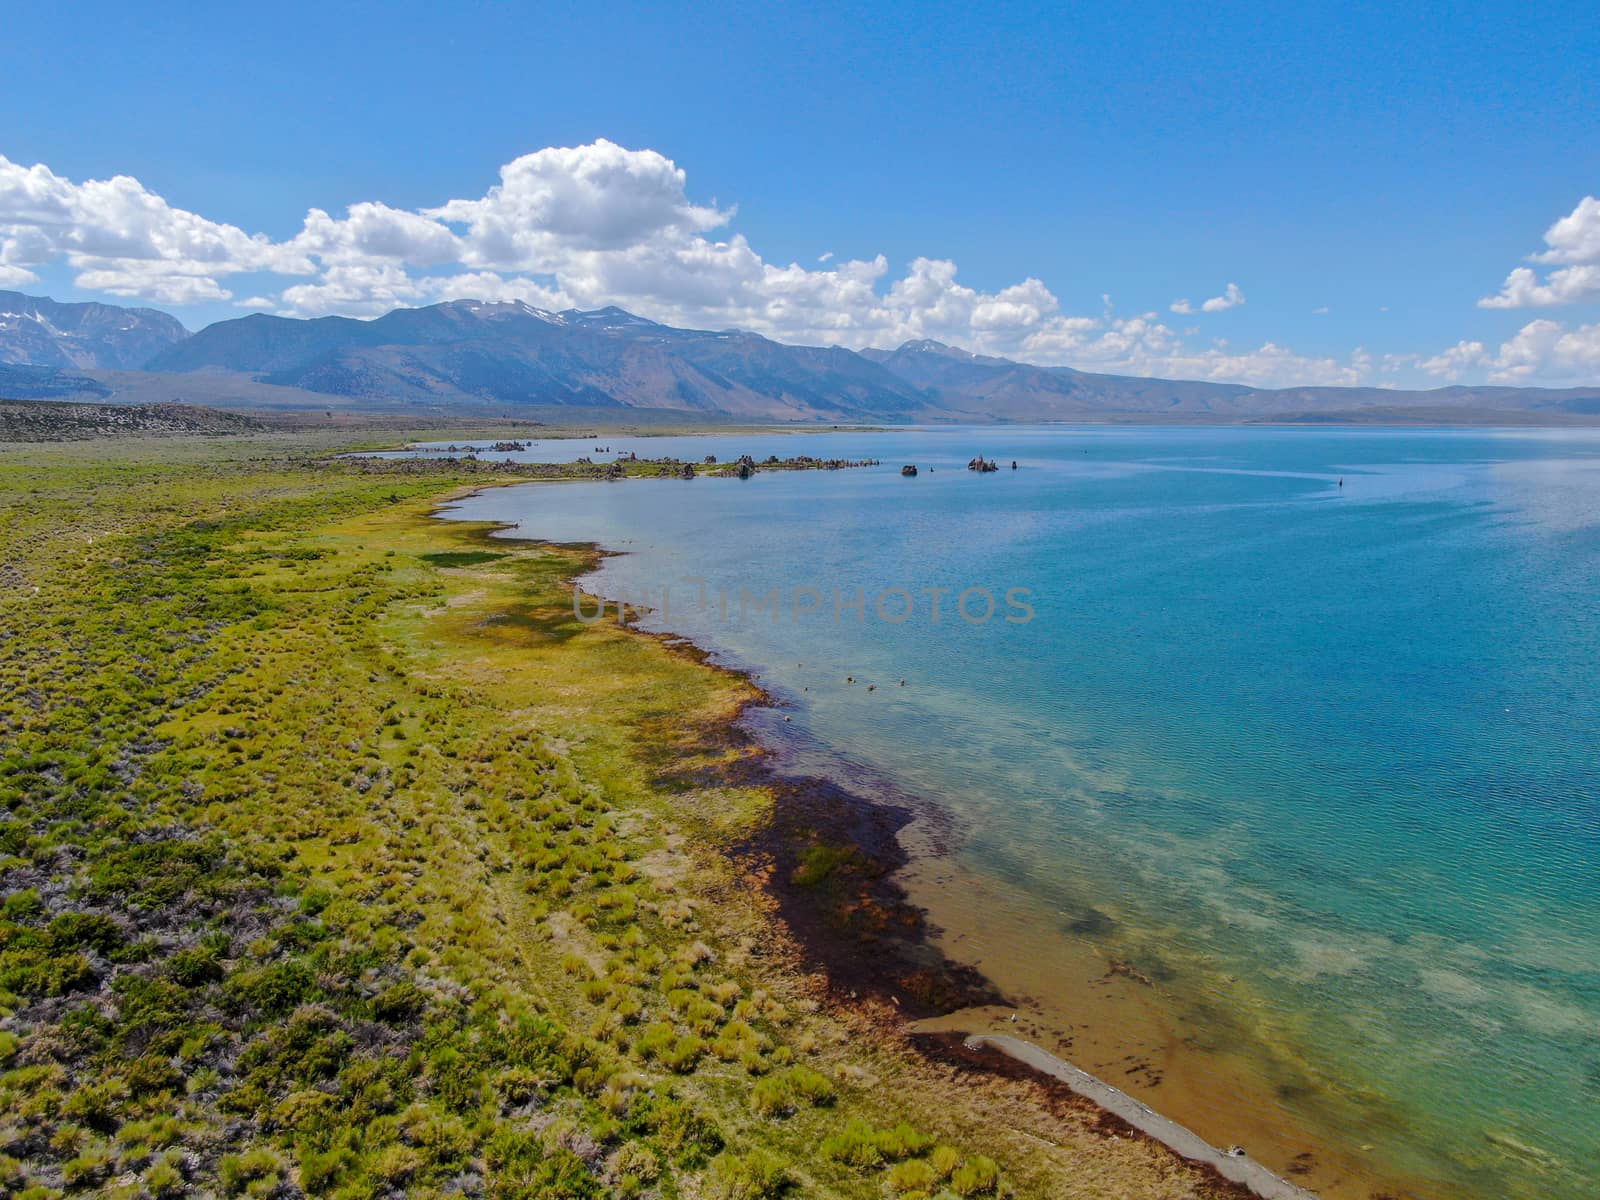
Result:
pixel 576 198
pixel 125 240
pixel 1231 297
pixel 1575 238
pixel 1542 352
pixel 1573 248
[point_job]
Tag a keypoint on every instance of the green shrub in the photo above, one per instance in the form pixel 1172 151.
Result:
pixel 686 1136
pixel 195 967
pixel 635 1161
pixel 239 1171
pixel 978 1176
pixel 22 906
pixel 912 1176
pixel 772 1097
pixel 560 1176
pixel 151 1002
pixel 442 1135
pixel 656 1039
pixel 274 991
pixel 36 971
pixel 944 1160
pixel 86 1169
pixel 859 1145
pixel 399 1002
pixel 152 1075
pixel 157 1133
pixel 812 1086
pixel 369 1088
pixel 902 1142
pixel 684 1054
pixel 152 874
pixel 703 1015
pixel 856 1145
pixel 752 1176
pixel 321 1170
pixel 80 931
pixel 98 1105
pixel 395 1164
pixel 163 1179
pixel 309 1112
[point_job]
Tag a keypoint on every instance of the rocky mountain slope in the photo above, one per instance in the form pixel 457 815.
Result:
pixel 39 332
pixel 472 353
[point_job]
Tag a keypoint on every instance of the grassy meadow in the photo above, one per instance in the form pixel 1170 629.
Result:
pixel 338 858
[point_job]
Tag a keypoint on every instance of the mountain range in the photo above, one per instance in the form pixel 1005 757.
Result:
pixel 42 333
pixel 507 358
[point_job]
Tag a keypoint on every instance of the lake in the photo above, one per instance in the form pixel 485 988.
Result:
pixel 1301 723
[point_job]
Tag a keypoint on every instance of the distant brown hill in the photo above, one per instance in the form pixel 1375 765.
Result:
pixel 987 388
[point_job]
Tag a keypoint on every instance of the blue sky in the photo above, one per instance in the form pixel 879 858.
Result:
pixel 1389 164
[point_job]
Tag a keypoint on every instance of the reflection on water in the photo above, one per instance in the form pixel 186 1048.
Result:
pixel 1333 744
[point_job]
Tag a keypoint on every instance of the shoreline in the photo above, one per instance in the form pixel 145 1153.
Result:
pixel 858 928
pixel 1181 1140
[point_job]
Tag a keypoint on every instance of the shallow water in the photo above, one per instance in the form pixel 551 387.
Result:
pixel 1323 756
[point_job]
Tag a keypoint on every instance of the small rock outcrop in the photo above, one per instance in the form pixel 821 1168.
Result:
pixel 908 470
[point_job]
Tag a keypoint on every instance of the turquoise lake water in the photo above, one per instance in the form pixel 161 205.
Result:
pixel 1332 750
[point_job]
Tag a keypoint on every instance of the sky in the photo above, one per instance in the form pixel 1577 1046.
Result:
pixel 1354 193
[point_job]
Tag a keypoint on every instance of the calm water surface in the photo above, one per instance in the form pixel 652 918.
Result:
pixel 1326 755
